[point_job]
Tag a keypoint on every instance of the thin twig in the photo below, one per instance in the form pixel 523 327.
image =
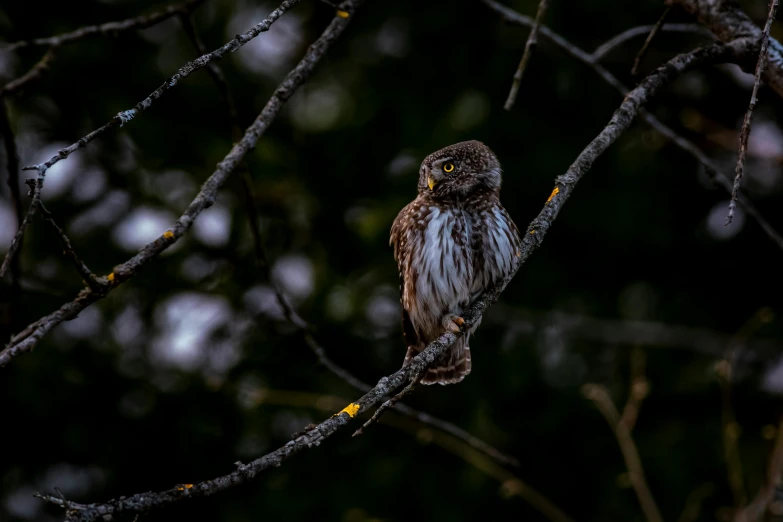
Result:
pixel 745 133
pixel 419 416
pixel 532 239
pixel 35 72
pixel 12 166
pixel 605 48
pixel 85 273
pixel 216 73
pixel 186 70
pixel 11 159
pixel 650 334
pixel 715 174
pixel 26 340
pixel 414 381
pixel 600 396
pixel 529 45
pixel 643 51
pixel 758 506
pixel 730 429
pixel 638 389
pixel 692 509
pixel 511 484
pixel 109 28
pixel 35 193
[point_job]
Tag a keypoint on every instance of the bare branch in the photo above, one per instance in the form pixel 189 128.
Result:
pixel 529 45
pixel 414 381
pixel 26 340
pixel 728 22
pixel 35 193
pixel 216 73
pixel 602 50
pixel 592 61
pixel 87 276
pixel 638 389
pixel 564 186
pixel 745 133
pixel 420 416
pixel 643 51
pixel 692 509
pixel 614 332
pixel 184 71
pixel 12 166
pixel 756 509
pixel 131 24
pixel 511 484
pixel 11 159
pixel 35 72
pixel 730 431
pixel 600 396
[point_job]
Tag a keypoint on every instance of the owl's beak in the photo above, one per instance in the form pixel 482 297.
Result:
pixel 430 182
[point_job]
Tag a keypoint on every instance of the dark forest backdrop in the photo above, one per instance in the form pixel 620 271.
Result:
pixel 191 366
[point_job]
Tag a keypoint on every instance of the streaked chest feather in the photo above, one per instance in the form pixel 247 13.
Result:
pixel 459 254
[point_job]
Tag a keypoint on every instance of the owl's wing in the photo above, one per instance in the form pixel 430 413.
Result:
pixel 402 230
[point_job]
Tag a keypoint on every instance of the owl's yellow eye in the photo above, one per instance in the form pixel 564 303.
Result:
pixel 448 167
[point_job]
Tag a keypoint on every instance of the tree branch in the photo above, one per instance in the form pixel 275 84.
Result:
pixel 758 506
pixel 592 61
pixel 131 24
pixel 600 396
pixel 26 340
pixel 745 133
pixel 422 417
pixel 529 45
pixel 186 70
pixel 729 22
pixel 531 240
pixel 605 48
pixel 637 391
pixel 650 37
pixel 35 72
pixel 12 167
pixel 87 276
pixel 35 193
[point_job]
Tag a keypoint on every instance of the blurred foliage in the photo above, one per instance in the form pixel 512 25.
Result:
pixel 189 367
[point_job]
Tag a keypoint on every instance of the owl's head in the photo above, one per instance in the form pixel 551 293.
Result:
pixel 459 170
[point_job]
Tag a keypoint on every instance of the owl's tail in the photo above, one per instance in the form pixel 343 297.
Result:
pixel 454 367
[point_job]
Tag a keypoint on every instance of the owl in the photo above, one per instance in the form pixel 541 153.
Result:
pixel 451 243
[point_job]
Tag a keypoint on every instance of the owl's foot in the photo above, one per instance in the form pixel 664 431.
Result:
pixel 452 322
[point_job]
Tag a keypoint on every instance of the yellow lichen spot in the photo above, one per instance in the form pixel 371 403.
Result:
pixel 168 234
pixel 343 14
pixel 110 277
pixel 352 409
pixel 532 232
pixel 554 193
pixel 183 487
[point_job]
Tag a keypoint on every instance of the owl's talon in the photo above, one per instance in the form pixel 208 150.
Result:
pixel 453 323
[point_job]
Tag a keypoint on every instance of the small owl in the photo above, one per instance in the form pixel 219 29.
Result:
pixel 451 243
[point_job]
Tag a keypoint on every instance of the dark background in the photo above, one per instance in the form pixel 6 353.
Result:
pixel 189 366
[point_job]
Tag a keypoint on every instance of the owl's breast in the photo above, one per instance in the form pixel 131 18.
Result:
pixel 444 260
pixel 495 244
